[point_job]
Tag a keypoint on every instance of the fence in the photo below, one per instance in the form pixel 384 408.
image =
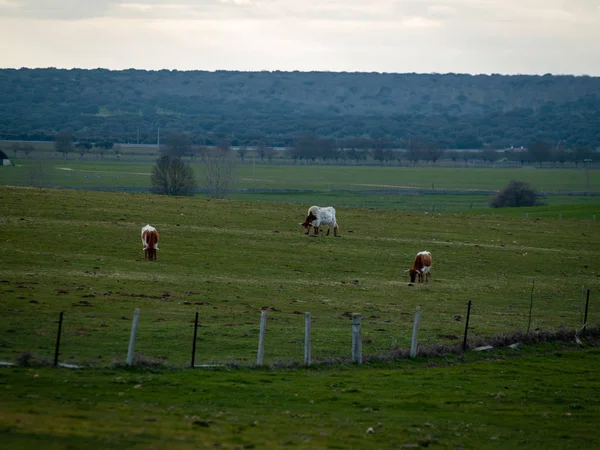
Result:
pixel 176 339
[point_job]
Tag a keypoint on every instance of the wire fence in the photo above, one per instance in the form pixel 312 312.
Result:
pixel 100 339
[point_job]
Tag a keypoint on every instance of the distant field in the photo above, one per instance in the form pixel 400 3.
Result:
pixel 406 188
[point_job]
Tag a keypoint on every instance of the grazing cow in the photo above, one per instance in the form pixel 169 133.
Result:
pixel 150 242
pixel 421 267
pixel 320 215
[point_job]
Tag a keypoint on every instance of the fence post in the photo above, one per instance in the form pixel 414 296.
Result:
pixel 587 303
pixel 56 351
pixel 530 306
pixel 581 305
pixel 194 343
pixel 414 341
pixel 261 338
pixel 134 324
pixel 307 324
pixel 356 338
pixel 467 326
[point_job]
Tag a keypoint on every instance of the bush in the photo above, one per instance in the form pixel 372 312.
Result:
pixel 172 176
pixel 515 194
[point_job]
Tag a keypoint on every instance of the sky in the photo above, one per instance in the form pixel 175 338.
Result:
pixel 398 36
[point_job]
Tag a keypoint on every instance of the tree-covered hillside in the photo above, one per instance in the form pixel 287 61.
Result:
pixel 458 111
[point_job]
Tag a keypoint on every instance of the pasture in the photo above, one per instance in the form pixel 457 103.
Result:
pixel 543 397
pixel 80 252
pixel 421 188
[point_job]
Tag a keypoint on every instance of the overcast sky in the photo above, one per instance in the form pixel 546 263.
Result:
pixel 424 36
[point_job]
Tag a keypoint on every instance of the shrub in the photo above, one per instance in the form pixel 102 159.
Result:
pixel 172 176
pixel 516 193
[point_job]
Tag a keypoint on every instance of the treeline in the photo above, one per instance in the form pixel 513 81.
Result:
pixel 277 108
pixel 310 148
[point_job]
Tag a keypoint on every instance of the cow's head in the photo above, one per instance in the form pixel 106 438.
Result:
pixel 414 273
pixel 308 222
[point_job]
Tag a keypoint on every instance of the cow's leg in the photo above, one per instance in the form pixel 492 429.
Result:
pixel 316 231
pixel 328 230
pixel 336 230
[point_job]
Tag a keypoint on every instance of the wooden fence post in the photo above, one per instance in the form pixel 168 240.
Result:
pixel 413 344
pixel 194 343
pixel 307 324
pixel 356 338
pixel 57 350
pixel 261 338
pixel 134 324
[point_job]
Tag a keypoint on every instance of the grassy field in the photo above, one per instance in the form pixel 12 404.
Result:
pixel 540 397
pixel 402 188
pixel 79 252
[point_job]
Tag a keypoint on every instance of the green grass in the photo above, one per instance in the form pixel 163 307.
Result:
pixel 541 397
pixel 406 188
pixel 80 252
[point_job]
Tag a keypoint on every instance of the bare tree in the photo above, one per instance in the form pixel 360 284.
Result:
pixel 219 164
pixel 432 151
pixel 63 143
pixel 172 176
pixel 37 173
pixel 177 144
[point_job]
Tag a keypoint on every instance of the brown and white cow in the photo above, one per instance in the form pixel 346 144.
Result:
pixel 150 242
pixel 421 268
pixel 320 215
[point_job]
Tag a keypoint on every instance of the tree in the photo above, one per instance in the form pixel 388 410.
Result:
pixel 63 143
pixel 177 144
pixel 581 153
pixel 413 150
pixel 242 152
pixel 219 164
pixel 515 194
pixel 489 154
pixel 37 173
pixel 432 151
pixel 82 147
pixel 270 151
pixel 172 176
pixel 28 148
pixel 540 151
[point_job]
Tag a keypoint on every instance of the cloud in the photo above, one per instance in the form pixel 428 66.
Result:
pixel 504 36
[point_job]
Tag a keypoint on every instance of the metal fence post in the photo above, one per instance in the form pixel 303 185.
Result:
pixel 307 324
pixel 194 343
pixel 261 338
pixel 467 326
pixel 57 350
pixel 413 344
pixel 136 318
pixel 356 338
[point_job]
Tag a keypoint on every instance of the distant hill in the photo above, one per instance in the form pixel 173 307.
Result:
pixel 456 110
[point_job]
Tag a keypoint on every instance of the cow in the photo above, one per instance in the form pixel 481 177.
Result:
pixel 149 242
pixel 320 215
pixel 421 268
